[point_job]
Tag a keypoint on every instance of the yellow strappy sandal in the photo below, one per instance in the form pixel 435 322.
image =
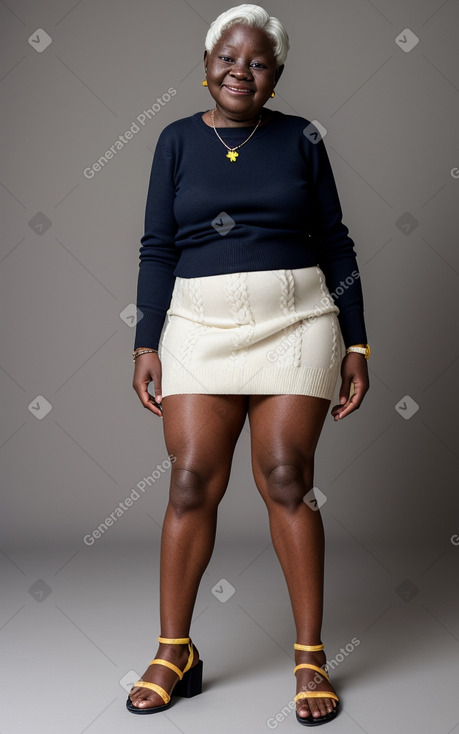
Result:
pixel 311 720
pixel 189 683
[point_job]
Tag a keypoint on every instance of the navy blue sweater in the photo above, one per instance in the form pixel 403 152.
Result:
pixel 276 207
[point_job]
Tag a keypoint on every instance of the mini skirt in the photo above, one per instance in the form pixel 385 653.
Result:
pixel 261 332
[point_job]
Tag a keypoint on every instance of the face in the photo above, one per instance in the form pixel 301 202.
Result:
pixel 241 72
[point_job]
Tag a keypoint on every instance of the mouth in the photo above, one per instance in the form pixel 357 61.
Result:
pixel 237 90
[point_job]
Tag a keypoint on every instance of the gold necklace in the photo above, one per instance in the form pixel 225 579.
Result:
pixel 232 154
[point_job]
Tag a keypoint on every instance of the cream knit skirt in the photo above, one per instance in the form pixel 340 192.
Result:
pixel 262 332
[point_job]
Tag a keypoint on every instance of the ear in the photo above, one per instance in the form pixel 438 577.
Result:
pixel 278 74
pixel 205 59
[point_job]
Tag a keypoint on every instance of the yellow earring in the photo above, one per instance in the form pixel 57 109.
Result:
pixel 204 84
pixel 273 93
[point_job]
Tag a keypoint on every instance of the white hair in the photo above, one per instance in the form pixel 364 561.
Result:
pixel 255 17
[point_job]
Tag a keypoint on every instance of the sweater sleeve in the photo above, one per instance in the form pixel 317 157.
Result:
pixel 158 254
pixel 334 248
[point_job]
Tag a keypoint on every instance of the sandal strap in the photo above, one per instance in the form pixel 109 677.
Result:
pixel 176 641
pixel 309 648
pixel 190 657
pixel 312 667
pixel 159 661
pixel 154 687
pixel 315 694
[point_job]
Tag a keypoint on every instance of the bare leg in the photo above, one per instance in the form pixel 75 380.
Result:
pixel 285 430
pixel 201 432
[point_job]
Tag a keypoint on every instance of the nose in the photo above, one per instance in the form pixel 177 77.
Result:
pixel 241 71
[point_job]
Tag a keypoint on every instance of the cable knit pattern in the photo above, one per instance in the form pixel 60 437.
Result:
pixel 325 294
pixel 191 291
pixel 336 333
pixel 237 296
pixel 252 333
pixel 292 356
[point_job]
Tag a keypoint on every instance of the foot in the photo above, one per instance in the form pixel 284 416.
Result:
pixel 161 675
pixel 306 681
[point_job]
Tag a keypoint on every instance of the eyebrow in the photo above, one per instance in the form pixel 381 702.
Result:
pixel 256 52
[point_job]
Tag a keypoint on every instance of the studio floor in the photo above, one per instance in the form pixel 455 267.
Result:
pixel 77 628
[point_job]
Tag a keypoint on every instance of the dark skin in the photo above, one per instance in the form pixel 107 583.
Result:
pixel 284 433
pixel 243 58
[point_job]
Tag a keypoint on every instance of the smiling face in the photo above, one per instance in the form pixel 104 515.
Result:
pixel 241 73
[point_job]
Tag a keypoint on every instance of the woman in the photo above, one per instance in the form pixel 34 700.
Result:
pixel 251 302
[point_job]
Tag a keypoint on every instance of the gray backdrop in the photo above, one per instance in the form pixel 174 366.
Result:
pixel 383 78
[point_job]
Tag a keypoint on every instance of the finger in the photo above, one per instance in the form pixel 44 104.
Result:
pixel 346 389
pixel 352 404
pixel 344 393
pixel 155 407
pixel 148 372
pixel 155 383
pixel 157 390
pixel 359 394
pixel 344 410
pixel 153 398
pixel 147 399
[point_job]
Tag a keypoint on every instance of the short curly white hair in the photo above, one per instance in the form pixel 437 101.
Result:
pixel 256 17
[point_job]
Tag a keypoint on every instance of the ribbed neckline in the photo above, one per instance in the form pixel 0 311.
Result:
pixel 234 132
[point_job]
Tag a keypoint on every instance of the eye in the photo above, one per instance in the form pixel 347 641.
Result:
pixel 229 59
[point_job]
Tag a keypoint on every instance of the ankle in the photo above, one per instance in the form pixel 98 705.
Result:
pixel 176 652
pixel 173 647
pixel 319 654
pixel 316 657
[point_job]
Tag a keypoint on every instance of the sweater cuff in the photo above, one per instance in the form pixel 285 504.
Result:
pixel 353 327
pixel 147 334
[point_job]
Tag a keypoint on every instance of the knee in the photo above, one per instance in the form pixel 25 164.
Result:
pixel 187 490
pixel 286 484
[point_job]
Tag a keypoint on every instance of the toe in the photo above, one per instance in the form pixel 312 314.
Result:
pixel 322 707
pixel 303 710
pixel 329 705
pixel 142 699
pixel 142 703
pixel 315 709
pixel 133 694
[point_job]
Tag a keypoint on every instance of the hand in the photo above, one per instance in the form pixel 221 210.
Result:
pixel 148 368
pixel 354 372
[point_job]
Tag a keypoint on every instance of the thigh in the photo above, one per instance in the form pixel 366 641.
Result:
pixel 201 431
pixel 284 429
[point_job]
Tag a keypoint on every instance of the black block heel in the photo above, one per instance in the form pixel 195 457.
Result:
pixel 191 683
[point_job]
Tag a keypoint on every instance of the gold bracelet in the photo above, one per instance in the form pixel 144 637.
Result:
pixel 363 349
pixel 137 352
